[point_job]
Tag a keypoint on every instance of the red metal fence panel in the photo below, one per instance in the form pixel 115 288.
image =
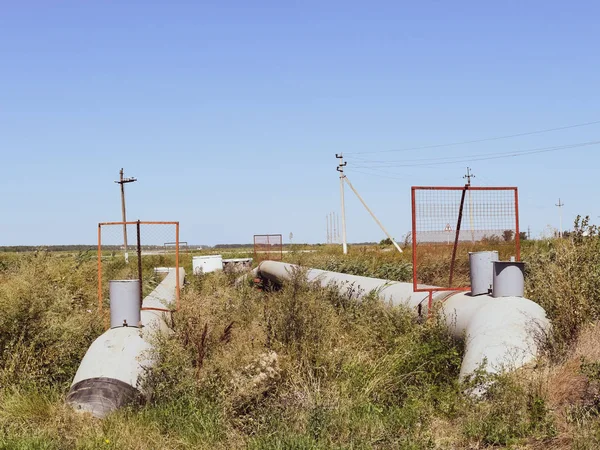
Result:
pixel 450 222
pixel 268 247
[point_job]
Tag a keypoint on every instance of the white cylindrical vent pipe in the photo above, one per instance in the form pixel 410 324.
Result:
pixel 500 334
pixel 481 271
pixel 124 303
pixel 509 279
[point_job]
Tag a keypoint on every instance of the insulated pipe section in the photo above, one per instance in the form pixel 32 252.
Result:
pixel 394 292
pixel 111 371
pixel 239 281
pixel 501 333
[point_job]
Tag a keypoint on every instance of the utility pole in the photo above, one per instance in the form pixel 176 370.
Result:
pixel 337 221
pixel 340 169
pixel 335 230
pixel 122 182
pixel 468 177
pixel 328 234
pixel 560 206
pixel 529 233
pixel 332 231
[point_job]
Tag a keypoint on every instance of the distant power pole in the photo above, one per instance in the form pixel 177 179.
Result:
pixel 340 169
pixel 560 206
pixel 468 177
pixel 331 229
pixel 335 230
pixel 337 220
pixel 529 233
pixel 328 234
pixel 122 182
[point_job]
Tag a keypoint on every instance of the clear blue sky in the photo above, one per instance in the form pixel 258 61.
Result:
pixel 229 113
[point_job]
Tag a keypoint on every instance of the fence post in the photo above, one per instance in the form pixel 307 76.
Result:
pixel 139 255
pixel 457 237
pixel 99 268
pixel 517 226
pixel 177 286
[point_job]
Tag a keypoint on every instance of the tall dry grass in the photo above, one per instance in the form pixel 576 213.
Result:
pixel 302 367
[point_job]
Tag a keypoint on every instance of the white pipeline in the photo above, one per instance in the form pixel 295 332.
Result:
pixel 111 371
pixel 501 333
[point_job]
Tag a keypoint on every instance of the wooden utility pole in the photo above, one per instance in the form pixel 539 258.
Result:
pixel 560 207
pixel 122 182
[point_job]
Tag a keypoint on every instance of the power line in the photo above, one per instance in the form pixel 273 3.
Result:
pixel 474 141
pixel 510 153
pixel 470 158
pixel 377 174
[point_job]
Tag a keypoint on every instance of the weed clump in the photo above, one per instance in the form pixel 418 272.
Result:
pixel 563 276
pixel 48 321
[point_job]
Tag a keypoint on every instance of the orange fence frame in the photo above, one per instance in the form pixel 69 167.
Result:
pixel 279 250
pixel 464 188
pixel 139 222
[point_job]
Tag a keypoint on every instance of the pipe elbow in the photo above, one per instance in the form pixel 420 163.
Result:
pixel 501 334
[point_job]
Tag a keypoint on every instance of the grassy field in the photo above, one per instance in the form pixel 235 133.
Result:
pixel 301 368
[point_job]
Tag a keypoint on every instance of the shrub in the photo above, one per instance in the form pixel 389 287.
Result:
pixel 563 276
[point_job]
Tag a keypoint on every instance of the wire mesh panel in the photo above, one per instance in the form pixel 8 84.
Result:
pixel 184 248
pixel 268 247
pixel 450 222
pixel 133 251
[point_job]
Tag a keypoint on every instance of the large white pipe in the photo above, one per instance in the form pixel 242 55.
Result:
pixel 501 333
pixel 111 371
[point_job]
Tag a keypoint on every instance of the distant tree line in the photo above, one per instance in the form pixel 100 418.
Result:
pixel 84 247
pixel 71 248
pixel 232 245
pixel 51 248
